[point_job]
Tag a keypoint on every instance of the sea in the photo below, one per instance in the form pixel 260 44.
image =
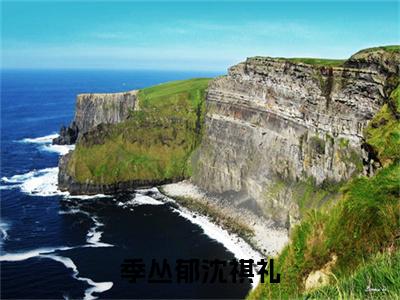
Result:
pixel 128 246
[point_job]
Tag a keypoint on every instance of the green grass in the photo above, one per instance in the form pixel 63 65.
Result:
pixel 364 222
pixel 389 48
pixel 154 144
pixel 326 62
pixel 383 132
pixel 378 278
pixel 394 100
pixel 321 62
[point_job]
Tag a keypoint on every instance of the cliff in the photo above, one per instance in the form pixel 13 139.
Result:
pixel 274 126
pixel 281 135
pixel 133 148
pixel 343 249
pixel 312 144
pixel 94 109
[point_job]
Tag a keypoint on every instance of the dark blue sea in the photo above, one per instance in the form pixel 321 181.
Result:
pixel 57 246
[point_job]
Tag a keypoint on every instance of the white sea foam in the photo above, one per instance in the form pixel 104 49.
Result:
pixel 40 183
pixel 20 256
pixel 87 197
pixel 60 149
pixel 93 237
pixel 9 187
pixel 232 242
pixel 138 200
pixel 3 230
pixel 71 212
pixel 93 240
pixel 45 143
pixel 18 178
pixel 44 183
pixel 96 287
pixel 41 140
pixel 3 234
pixel 144 200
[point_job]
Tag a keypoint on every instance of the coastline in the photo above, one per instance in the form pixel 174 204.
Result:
pixel 259 233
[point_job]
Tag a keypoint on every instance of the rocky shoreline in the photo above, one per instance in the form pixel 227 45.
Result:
pixel 262 234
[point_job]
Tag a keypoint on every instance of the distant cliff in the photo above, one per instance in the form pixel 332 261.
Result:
pixel 94 109
pixel 121 146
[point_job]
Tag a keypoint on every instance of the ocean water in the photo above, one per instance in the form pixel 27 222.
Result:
pixel 56 246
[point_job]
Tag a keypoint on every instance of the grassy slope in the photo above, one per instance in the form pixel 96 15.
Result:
pixel 317 61
pixel 154 144
pixel 323 62
pixel 363 223
pixel 378 278
pixel 389 48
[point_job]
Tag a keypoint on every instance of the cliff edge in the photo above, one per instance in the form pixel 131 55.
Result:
pixel 95 109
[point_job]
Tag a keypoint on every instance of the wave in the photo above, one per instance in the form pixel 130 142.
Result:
pixel 88 197
pixel 43 183
pixel 39 182
pixel 45 143
pixel 93 236
pixel 3 234
pixel 140 199
pixel 20 256
pixel 18 178
pixel 60 149
pixel 36 183
pixel 41 140
pixel 96 287
pixel 3 231
pixel 93 240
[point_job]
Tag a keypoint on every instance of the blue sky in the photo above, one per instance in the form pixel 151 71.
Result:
pixel 188 35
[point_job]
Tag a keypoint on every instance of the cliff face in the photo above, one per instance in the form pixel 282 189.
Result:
pixel 280 135
pixel 94 109
pixel 273 124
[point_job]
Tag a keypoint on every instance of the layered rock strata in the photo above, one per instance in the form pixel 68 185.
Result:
pixel 271 124
pixel 94 109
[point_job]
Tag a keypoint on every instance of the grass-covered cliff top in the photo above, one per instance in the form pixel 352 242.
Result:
pixel 316 61
pixel 354 244
pixel 154 144
pixel 389 48
pixel 328 62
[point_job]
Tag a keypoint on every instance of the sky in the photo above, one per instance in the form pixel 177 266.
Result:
pixel 187 35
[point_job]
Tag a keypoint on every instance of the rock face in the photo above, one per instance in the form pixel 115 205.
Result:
pixel 384 62
pixel 272 123
pixel 68 135
pixel 94 109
